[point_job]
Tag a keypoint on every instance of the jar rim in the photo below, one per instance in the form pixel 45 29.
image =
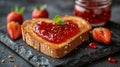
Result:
pixel 103 2
pixel 94 0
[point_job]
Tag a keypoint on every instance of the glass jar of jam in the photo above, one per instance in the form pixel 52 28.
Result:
pixel 96 12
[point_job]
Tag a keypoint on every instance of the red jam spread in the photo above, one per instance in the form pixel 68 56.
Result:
pixel 56 33
pixel 94 13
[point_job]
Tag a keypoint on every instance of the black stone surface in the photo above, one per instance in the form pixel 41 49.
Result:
pixel 81 56
pixel 61 7
pixel 18 61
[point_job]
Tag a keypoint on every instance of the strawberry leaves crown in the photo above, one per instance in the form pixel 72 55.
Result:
pixel 40 8
pixel 18 10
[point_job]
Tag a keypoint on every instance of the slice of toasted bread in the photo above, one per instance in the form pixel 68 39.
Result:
pixel 52 49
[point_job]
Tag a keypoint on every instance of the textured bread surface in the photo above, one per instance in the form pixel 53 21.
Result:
pixel 52 49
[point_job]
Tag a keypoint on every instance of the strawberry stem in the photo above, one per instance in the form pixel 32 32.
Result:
pixel 40 8
pixel 16 8
pixel 20 11
pixel 91 32
pixel 43 7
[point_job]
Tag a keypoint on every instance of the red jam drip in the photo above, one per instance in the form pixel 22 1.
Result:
pixel 56 33
pixel 94 13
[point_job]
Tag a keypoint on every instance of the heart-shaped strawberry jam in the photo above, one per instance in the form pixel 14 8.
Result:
pixel 56 33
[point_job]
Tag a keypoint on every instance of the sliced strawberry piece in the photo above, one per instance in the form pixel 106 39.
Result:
pixel 102 35
pixel 14 30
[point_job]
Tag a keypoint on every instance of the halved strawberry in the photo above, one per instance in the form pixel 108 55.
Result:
pixel 40 12
pixel 102 35
pixel 14 30
pixel 15 15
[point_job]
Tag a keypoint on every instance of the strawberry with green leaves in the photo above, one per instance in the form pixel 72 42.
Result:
pixel 40 12
pixel 16 15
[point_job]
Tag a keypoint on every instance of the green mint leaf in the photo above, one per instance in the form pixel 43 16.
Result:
pixel 61 22
pixel 57 20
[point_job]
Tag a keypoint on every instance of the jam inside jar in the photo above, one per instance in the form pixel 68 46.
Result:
pixel 96 12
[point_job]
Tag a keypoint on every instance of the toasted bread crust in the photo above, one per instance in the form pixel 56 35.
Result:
pixel 51 49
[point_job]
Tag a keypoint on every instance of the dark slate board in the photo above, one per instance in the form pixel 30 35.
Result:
pixel 78 57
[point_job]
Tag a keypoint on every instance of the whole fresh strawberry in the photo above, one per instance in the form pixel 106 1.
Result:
pixel 40 12
pixel 102 35
pixel 14 30
pixel 16 15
